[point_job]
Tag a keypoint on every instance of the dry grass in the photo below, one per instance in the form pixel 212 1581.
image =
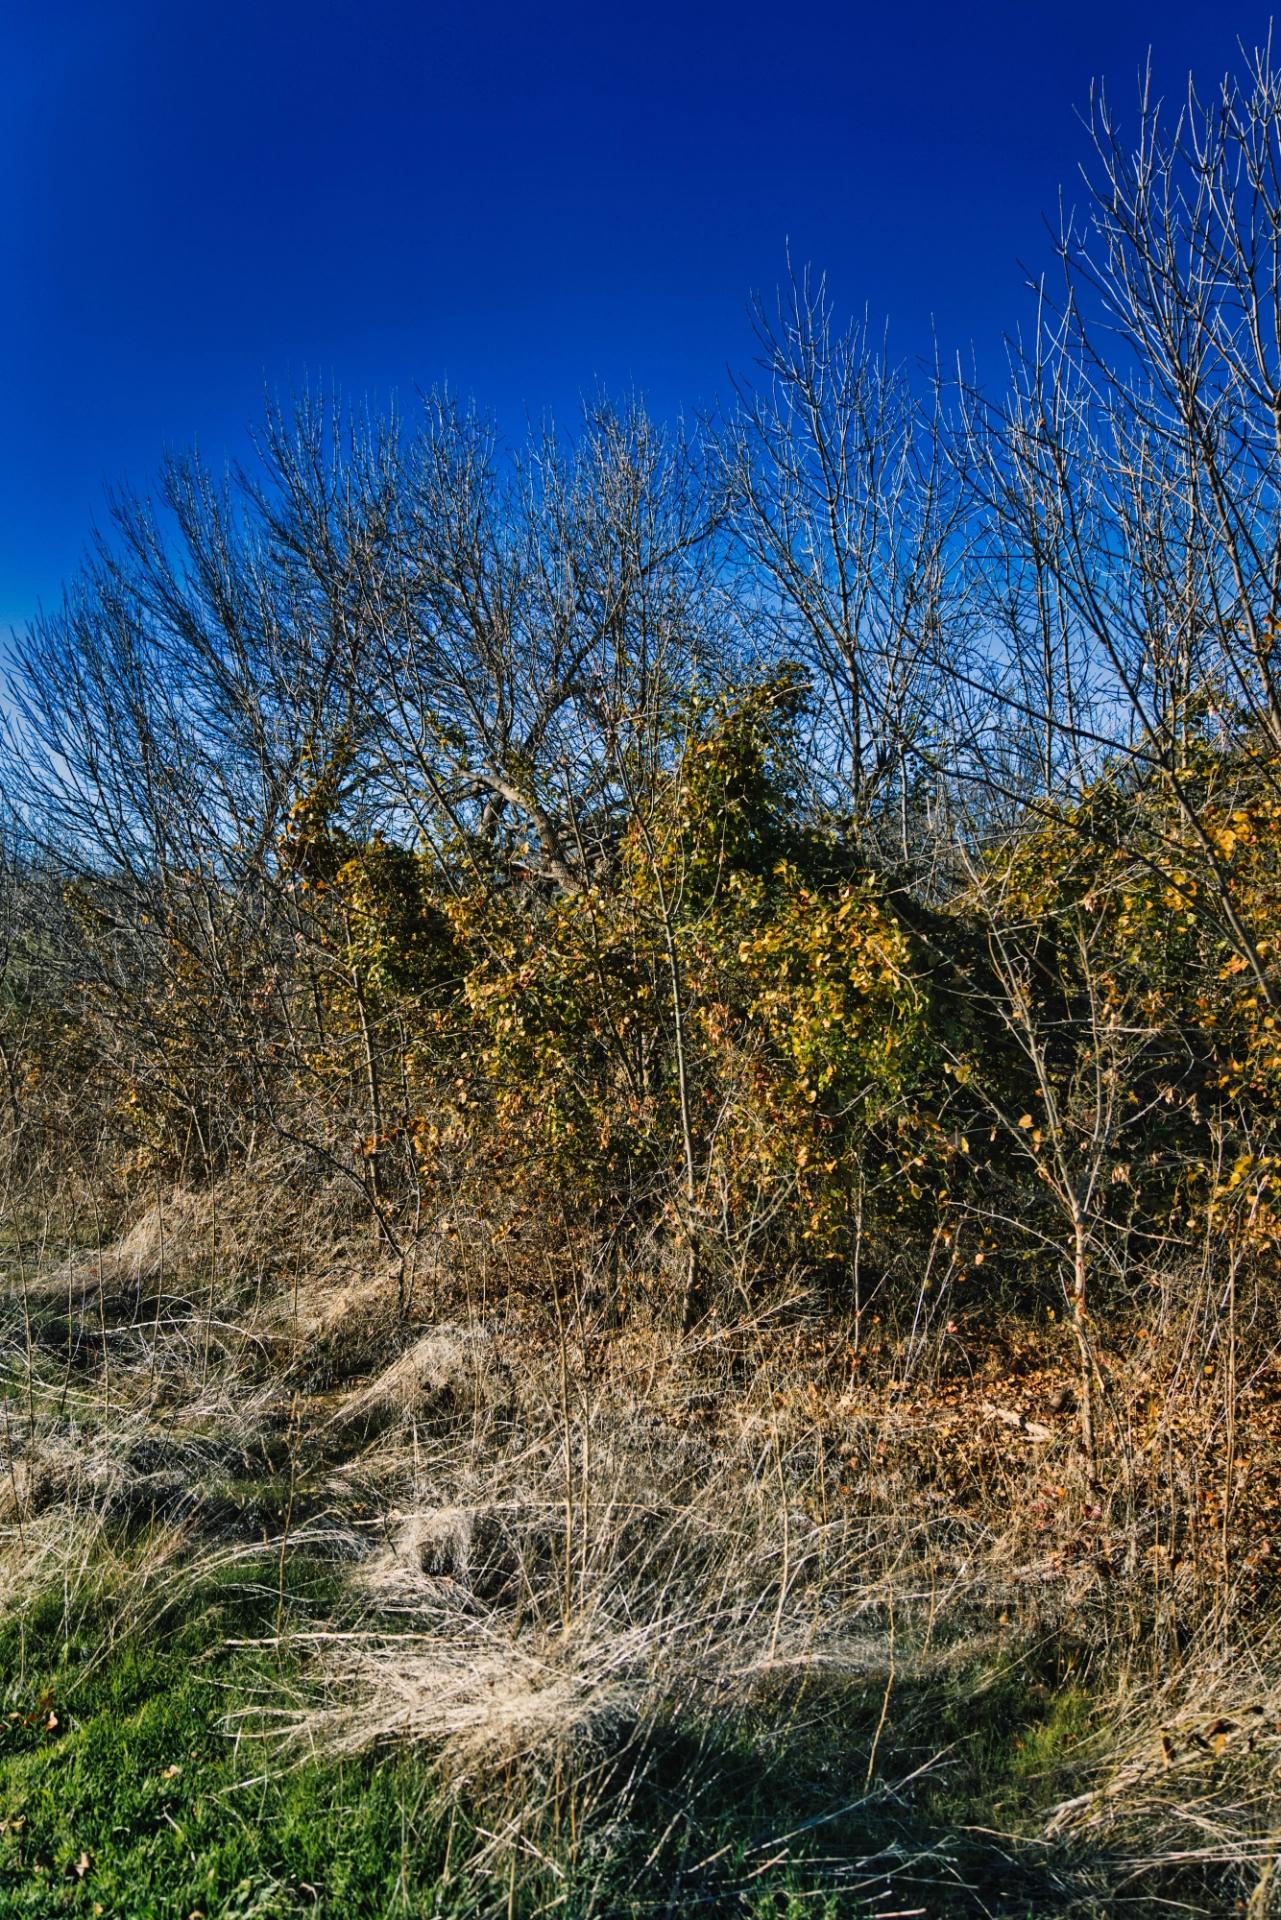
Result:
pixel 562 1538
pixel 1188 1773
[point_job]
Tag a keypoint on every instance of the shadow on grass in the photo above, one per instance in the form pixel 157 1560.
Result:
pixel 122 1791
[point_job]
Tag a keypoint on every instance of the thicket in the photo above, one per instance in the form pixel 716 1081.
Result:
pixel 839 842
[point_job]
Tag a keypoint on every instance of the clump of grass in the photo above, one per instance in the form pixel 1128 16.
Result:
pixel 122 1793
pixel 1184 1777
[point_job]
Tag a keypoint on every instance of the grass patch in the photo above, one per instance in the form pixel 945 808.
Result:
pixel 123 1790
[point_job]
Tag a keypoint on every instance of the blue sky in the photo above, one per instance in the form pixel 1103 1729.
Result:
pixel 199 203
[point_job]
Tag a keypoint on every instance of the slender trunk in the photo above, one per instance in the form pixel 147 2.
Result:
pixel 689 1299
pixel 373 1088
pixel 1080 1287
pixel 373 1091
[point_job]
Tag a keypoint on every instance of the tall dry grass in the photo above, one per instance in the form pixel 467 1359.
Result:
pixel 561 1541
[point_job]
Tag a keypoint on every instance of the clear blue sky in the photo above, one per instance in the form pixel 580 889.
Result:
pixel 199 202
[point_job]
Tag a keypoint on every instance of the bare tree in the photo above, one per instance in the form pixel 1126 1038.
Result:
pixel 1126 488
pixel 842 503
pixel 539 617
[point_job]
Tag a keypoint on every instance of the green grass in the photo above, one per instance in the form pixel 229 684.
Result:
pixel 122 1793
